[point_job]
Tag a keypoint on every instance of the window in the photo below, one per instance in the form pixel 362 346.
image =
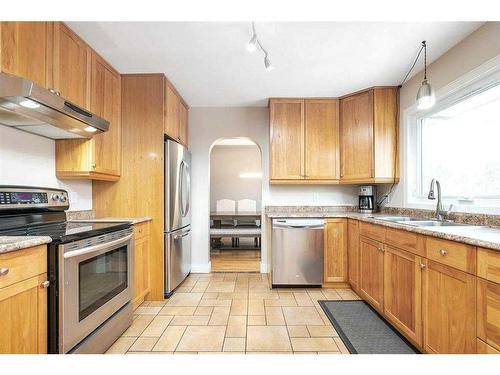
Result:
pixel 459 145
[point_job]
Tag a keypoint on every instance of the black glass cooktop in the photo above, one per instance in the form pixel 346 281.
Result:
pixel 67 231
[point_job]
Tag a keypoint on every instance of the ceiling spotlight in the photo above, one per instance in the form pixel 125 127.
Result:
pixel 267 63
pixel 252 44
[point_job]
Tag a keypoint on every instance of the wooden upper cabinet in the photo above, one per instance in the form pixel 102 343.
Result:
pixel 449 310
pixel 287 139
pixel 335 252
pixel 368 136
pixel 183 124
pixel 24 50
pixel 403 292
pixel 71 66
pixel 98 158
pixel 371 272
pixel 322 139
pixel 356 136
pixel 172 113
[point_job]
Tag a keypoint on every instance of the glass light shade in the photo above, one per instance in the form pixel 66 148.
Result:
pixel 252 44
pixel 425 96
pixel 268 64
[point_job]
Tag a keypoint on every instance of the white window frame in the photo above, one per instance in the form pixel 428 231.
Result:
pixel 472 83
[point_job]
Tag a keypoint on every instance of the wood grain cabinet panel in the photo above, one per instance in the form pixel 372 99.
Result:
pixel 449 310
pixel 287 139
pixel 403 292
pixel 371 272
pixel 405 240
pixel 373 231
pixel 100 157
pixel 335 255
pixel 353 253
pixel 23 302
pixel 141 263
pixel 488 312
pixel 183 124
pixel 71 66
pixel 454 254
pixel 356 136
pixel 483 348
pixel 488 264
pixel 24 50
pixel 172 113
pixel 322 139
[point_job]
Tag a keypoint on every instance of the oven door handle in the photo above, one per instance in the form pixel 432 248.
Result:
pixel 97 248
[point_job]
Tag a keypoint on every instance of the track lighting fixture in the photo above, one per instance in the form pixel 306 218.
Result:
pixel 425 95
pixel 255 43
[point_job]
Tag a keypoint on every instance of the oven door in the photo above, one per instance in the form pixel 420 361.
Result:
pixel 95 282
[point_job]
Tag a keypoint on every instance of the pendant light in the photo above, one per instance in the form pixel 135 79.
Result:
pixel 255 43
pixel 425 95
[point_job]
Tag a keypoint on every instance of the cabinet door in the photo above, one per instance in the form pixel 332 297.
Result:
pixel 141 270
pixel 287 139
pixel 356 136
pixel 403 292
pixel 353 253
pixel 24 50
pixel 371 272
pixel 449 310
pixel 385 133
pixel 71 66
pixel 23 312
pixel 172 115
pixel 183 124
pixel 322 139
pixel 488 312
pixel 335 256
pixel 106 102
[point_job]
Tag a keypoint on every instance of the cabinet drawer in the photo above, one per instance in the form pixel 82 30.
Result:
pixel 488 264
pixel 405 240
pixel 23 264
pixel 483 348
pixel 488 312
pixel 141 230
pixel 372 231
pixel 453 254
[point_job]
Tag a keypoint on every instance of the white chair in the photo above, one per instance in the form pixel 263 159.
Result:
pixel 250 206
pixel 227 205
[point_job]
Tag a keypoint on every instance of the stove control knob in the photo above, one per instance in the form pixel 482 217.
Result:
pixel 55 197
pixel 63 198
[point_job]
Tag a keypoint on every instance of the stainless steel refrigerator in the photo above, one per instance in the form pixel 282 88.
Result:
pixel 177 215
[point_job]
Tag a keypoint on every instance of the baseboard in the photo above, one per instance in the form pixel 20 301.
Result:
pixel 336 284
pixel 201 268
pixel 263 267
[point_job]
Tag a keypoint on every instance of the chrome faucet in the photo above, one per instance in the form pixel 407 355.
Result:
pixel 440 213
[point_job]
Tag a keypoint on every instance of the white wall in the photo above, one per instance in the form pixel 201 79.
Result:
pixel 207 125
pixel 226 164
pixel 27 159
pixel 479 47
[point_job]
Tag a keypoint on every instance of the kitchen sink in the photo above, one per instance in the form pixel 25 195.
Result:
pixel 418 222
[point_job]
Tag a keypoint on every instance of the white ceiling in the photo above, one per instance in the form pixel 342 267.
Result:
pixel 210 66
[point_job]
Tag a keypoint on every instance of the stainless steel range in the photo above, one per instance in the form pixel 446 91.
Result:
pixel 90 268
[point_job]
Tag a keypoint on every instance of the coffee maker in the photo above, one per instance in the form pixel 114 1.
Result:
pixel 367 199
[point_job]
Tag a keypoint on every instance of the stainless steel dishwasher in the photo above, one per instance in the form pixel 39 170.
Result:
pixel 297 251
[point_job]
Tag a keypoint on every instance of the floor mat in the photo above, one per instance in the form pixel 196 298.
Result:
pixel 363 330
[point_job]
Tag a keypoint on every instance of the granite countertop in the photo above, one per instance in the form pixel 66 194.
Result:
pixel 482 236
pixel 133 220
pixel 13 243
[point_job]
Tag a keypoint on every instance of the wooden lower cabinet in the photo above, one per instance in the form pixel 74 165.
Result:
pixel 353 253
pixel 141 263
pixel 449 309
pixel 488 312
pixel 403 292
pixel 23 302
pixel 335 255
pixel 371 272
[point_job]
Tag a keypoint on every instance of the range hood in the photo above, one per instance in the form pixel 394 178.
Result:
pixel 33 109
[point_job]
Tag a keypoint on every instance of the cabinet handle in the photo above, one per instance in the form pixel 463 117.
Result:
pixel 4 271
pixel 45 284
pixel 381 249
pixel 94 166
pixel 442 252
pixel 422 266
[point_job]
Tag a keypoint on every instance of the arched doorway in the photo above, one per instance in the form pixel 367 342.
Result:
pixel 235 187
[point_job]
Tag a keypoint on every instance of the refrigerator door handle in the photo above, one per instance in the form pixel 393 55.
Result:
pixel 179 236
pixel 188 188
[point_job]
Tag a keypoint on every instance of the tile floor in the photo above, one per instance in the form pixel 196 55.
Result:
pixel 234 313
